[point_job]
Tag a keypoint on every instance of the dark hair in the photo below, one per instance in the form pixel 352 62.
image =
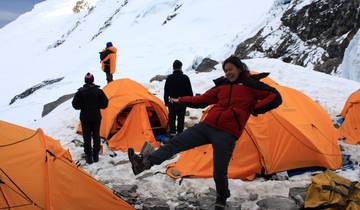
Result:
pixel 177 65
pixel 236 62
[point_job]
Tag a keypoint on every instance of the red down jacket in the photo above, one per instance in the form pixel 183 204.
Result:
pixel 233 102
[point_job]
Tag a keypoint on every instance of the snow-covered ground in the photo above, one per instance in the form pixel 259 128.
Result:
pixel 201 28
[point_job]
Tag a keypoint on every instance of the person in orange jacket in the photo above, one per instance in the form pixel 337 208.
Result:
pixel 108 61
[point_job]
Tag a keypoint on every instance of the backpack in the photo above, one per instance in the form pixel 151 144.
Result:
pixel 332 192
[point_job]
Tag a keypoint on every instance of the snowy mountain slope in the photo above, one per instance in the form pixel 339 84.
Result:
pixel 311 33
pixel 330 92
pixel 52 42
pixel 146 45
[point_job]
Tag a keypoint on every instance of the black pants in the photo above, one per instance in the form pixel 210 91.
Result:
pixel 91 129
pixel 176 113
pixel 109 77
pixel 200 134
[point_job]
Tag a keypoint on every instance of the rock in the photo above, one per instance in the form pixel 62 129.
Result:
pixel 280 176
pixel 121 162
pixel 315 34
pixel 184 206
pixel 193 201
pixel 80 5
pixel 35 88
pixel 127 192
pixel 158 78
pixel 52 105
pixel 232 205
pixel 145 175
pixel 328 66
pixel 206 65
pixel 78 143
pixel 299 200
pixel 277 203
pixel 298 195
pixel 185 195
pixel 206 202
pixel 155 204
pixel 212 192
pixel 125 188
pixel 253 196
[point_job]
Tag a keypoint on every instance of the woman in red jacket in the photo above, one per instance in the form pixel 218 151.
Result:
pixel 234 98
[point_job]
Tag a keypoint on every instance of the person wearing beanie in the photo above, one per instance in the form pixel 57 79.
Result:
pixel 234 99
pixel 89 99
pixel 108 61
pixel 177 84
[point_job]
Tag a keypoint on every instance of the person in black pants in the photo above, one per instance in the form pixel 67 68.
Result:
pixel 90 99
pixel 108 61
pixel 234 98
pixel 177 84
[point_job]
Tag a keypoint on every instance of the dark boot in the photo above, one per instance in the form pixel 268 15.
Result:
pixel 139 163
pixel 88 159
pixel 219 206
pixel 220 203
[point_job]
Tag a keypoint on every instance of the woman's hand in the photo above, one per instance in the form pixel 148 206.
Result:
pixel 173 100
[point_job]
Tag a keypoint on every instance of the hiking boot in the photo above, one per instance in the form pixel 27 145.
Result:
pixel 220 203
pixel 89 159
pixel 219 206
pixel 139 163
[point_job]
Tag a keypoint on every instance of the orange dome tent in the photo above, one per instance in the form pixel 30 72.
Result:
pixel 132 116
pixel 297 134
pixel 37 173
pixel 350 128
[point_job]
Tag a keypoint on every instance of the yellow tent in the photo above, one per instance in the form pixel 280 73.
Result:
pixel 350 129
pixel 37 173
pixel 297 134
pixel 132 116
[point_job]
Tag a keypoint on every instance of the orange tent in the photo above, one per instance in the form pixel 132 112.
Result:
pixel 297 134
pixel 37 173
pixel 132 115
pixel 350 129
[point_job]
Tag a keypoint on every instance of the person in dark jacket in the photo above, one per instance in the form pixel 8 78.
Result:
pixel 108 61
pixel 90 99
pixel 177 84
pixel 234 98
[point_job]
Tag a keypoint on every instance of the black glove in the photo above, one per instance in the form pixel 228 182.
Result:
pixel 253 113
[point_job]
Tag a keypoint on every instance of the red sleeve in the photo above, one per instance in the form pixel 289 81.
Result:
pixel 209 97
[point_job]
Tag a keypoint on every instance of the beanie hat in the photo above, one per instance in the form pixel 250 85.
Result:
pixel 177 65
pixel 89 78
pixel 109 44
